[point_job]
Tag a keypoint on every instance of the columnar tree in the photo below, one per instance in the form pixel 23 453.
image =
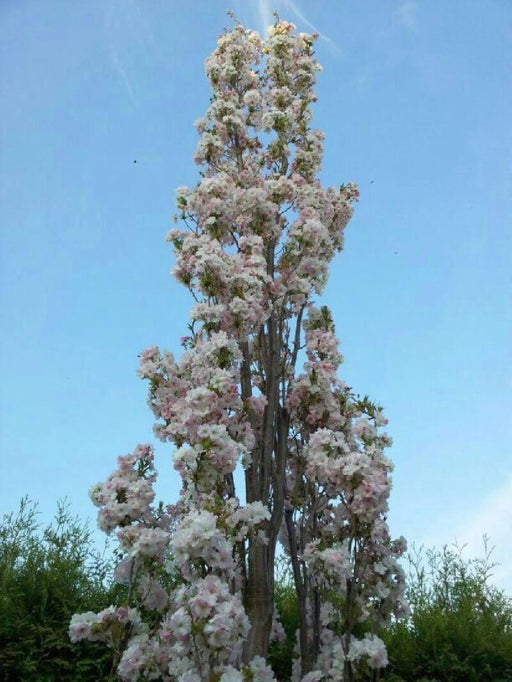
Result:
pixel 258 233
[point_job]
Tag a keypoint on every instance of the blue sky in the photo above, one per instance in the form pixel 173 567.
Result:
pixel 99 100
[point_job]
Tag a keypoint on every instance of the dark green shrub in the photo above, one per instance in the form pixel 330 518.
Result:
pixel 460 629
pixel 281 653
pixel 46 575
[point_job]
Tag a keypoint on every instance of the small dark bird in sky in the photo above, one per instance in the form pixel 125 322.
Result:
pixel 134 160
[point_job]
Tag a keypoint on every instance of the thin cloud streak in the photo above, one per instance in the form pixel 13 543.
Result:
pixel 406 14
pixel 126 17
pixel 121 71
pixel 491 519
pixel 266 19
pixel 293 7
pixel 265 13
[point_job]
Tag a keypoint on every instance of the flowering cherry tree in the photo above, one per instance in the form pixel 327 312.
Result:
pixel 258 233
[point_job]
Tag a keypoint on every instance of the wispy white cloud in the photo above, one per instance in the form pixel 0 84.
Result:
pixel 141 26
pixel 121 72
pixel 265 13
pixel 128 16
pixel 127 28
pixel 491 518
pixel 267 7
pixel 407 13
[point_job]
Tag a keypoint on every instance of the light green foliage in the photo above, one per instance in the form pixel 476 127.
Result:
pixel 46 575
pixel 460 629
pixel 281 653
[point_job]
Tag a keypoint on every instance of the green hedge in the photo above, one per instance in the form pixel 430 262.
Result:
pixel 46 575
pixel 460 628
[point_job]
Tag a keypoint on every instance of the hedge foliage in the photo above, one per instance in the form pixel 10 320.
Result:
pixel 460 628
pixel 46 575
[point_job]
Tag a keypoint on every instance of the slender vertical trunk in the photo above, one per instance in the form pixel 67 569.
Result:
pixel 259 600
pixel 348 674
pixel 300 590
pixel 264 482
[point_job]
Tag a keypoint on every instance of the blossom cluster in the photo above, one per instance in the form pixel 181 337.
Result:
pixel 236 215
pixel 97 627
pixel 128 492
pixel 206 624
pixel 203 623
pixel 331 662
pixel 199 404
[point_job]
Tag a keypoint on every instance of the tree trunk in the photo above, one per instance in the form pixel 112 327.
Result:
pixel 259 600
pixel 300 590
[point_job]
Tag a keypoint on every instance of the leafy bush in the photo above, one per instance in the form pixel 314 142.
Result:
pixel 46 575
pixel 460 628
pixel 281 653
